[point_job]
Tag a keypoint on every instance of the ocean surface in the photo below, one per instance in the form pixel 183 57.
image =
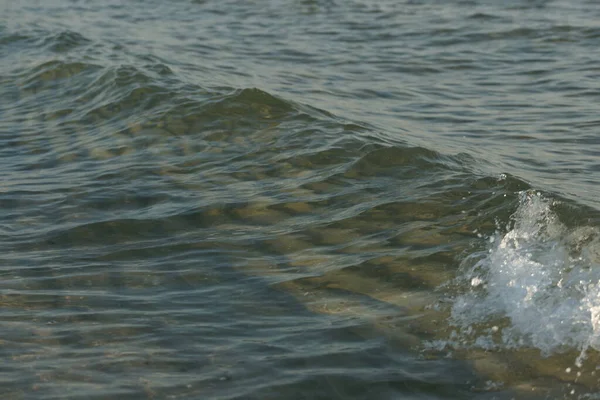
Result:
pixel 300 199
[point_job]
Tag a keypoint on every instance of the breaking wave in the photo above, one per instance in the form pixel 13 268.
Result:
pixel 536 285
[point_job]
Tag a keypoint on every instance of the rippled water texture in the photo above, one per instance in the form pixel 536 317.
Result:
pixel 299 200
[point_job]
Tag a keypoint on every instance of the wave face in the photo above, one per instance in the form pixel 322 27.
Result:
pixel 299 199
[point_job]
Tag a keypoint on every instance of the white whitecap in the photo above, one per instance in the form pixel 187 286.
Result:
pixel 539 281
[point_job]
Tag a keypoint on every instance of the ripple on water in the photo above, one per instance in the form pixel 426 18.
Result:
pixel 219 200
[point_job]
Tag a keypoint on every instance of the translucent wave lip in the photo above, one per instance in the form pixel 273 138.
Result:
pixel 536 285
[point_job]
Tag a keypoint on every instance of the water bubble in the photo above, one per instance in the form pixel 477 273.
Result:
pixel 476 281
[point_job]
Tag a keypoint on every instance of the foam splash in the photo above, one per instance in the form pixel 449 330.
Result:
pixel 537 285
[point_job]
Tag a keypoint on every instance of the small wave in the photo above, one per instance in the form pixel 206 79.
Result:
pixel 13 39
pixel 483 16
pixel 536 285
pixel 53 71
pixel 65 41
pixel 389 158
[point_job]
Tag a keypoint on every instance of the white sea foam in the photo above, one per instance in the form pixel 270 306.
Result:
pixel 537 285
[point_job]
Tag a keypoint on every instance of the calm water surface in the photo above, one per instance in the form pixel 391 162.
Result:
pixel 300 199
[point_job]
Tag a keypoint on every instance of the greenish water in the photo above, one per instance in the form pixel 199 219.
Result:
pixel 299 200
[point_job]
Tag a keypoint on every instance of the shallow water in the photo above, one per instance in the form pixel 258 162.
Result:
pixel 299 199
